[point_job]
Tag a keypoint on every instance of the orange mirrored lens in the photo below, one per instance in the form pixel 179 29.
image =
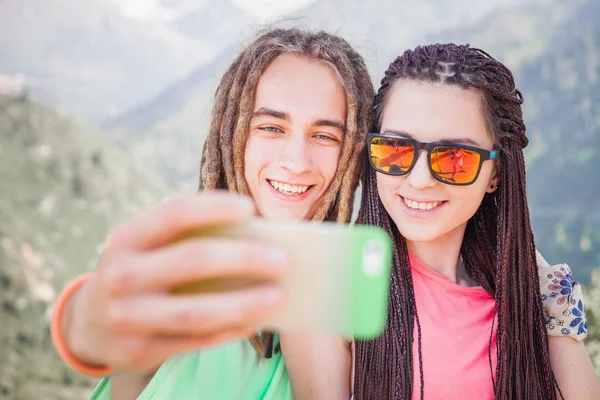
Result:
pixel 391 155
pixel 454 164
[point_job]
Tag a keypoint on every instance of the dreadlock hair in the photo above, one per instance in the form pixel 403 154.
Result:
pixel 222 164
pixel 498 248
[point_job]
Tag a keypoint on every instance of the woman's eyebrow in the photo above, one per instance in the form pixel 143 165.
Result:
pixel 459 140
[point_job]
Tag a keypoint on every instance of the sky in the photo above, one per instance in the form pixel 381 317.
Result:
pixel 157 10
pixel 271 7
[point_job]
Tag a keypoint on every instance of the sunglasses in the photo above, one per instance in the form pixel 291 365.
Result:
pixel 453 164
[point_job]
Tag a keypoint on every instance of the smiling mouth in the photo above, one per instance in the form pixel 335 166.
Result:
pixel 421 205
pixel 288 189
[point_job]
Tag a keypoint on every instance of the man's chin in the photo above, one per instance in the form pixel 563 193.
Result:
pixel 284 214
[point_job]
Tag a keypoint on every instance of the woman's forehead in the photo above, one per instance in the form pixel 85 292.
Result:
pixel 432 112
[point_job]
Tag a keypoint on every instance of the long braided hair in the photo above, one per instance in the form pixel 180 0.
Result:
pixel 222 164
pixel 498 248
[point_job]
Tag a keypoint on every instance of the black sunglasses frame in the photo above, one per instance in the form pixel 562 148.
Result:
pixel 484 155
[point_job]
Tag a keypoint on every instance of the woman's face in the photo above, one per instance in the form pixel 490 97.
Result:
pixel 424 209
pixel 295 137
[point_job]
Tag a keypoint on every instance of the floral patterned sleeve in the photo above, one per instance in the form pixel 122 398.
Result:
pixel 562 299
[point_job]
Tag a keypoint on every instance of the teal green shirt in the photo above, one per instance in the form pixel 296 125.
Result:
pixel 231 371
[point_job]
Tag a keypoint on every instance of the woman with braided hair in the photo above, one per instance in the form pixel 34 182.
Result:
pixel 466 317
pixel 288 125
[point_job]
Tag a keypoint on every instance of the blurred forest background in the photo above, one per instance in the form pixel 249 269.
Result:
pixel 104 107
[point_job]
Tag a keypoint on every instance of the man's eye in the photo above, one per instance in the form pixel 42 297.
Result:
pixel 326 137
pixel 270 129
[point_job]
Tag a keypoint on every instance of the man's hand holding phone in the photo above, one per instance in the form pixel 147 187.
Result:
pixel 126 317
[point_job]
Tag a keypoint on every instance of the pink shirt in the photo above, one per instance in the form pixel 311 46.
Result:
pixel 456 323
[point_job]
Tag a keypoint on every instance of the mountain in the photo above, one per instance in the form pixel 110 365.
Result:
pixel 562 109
pixel 63 187
pixel 216 22
pixel 515 35
pixel 92 61
pixel 169 130
pixel 385 31
pixel 591 295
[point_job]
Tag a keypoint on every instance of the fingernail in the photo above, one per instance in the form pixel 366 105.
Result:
pixel 276 256
pixel 272 295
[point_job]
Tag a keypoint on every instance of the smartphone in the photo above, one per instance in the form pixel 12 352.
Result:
pixel 337 284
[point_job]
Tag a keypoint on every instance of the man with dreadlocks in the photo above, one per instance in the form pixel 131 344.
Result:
pixel 466 316
pixel 288 125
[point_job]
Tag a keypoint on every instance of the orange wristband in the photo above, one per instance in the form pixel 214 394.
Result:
pixel 56 330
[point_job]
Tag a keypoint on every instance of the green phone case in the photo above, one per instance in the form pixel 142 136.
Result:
pixel 370 266
pixel 338 282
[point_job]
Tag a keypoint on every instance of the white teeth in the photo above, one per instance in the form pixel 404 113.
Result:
pixel 287 188
pixel 421 206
